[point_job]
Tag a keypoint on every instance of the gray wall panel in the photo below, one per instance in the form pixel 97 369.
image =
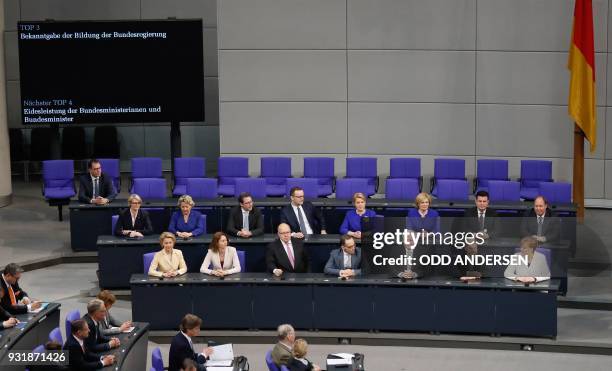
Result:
pixel 210 52
pixel 282 24
pixel 131 141
pixel 608 179
pixel 594 186
pixel 411 24
pixel 211 99
pixel 202 141
pixel 162 9
pixel 11 55
pixel 11 14
pixel 283 127
pixel 282 75
pixel 537 25
pixel 13 104
pixel 157 141
pixel 411 76
pixel 425 128
pixel 36 10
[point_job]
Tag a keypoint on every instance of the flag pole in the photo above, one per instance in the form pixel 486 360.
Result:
pixel 578 180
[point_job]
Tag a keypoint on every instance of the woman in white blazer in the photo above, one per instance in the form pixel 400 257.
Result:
pixel 223 258
pixel 536 270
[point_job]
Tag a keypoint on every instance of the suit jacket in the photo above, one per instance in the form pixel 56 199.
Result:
pixel 311 213
pixel 179 350
pixel 95 342
pixel 6 299
pixel 276 257
pixel 142 223
pixel 4 315
pixel 471 223
pixel 335 263
pixel 550 225
pixel 195 223
pixel 109 325
pixel 81 360
pixel 538 268
pixel 298 365
pixel 231 262
pixel 107 190
pixel 256 221
pixel 162 264
pixel 281 355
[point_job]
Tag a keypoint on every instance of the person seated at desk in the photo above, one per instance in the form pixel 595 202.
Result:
pixel 298 361
pixel 109 325
pixel 79 355
pixel 96 341
pixel 283 349
pixel 186 223
pixel 286 254
pixel 6 319
pixel 351 224
pixel 95 187
pixel 224 258
pixel 182 347
pixel 540 222
pixel 15 300
pixel 133 222
pixel 168 262
pixel 422 218
pixel 345 261
pixel 303 218
pixel 481 218
pixel 536 270
pixel 245 220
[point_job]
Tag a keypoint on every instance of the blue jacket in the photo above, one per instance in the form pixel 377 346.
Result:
pixel 195 223
pixel 335 263
pixel 352 221
pixel 430 223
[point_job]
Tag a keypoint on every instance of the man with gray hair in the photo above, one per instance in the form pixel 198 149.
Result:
pixel 15 300
pixel 281 353
pixel 96 342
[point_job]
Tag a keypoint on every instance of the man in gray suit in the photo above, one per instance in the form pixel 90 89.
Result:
pixel 346 261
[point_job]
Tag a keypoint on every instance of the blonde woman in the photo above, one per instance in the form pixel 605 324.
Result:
pixel 352 220
pixel 134 221
pixel 224 258
pixel 186 222
pixel 299 362
pixel 168 262
pixel 422 218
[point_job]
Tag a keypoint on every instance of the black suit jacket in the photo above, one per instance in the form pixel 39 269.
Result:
pixel 80 360
pixel 4 315
pixel 96 341
pixel 471 223
pixel 313 214
pixel 107 190
pixel 297 365
pixel 256 221
pixel 276 257
pixel 550 226
pixel 179 350
pixel 142 224
pixel 6 299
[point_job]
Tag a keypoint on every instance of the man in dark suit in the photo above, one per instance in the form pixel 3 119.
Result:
pixel 286 254
pixel 95 187
pixel 540 222
pixel 15 300
pixel 181 347
pixel 345 261
pixel 481 218
pixel 80 358
pixel 303 218
pixel 96 341
pixel 245 220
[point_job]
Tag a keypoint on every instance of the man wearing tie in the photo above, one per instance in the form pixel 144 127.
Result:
pixel 345 261
pixel 15 300
pixel 95 341
pixel 480 218
pixel 182 348
pixel 95 187
pixel 286 254
pixel 245 220
pixel 540 222
pixel 303 218
pixel 80 358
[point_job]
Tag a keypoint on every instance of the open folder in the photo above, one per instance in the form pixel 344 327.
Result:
pixel 221 357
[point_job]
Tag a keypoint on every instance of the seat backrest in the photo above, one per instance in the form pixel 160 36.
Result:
pixel 58 173
pixel 56 335
pixel 71 316
pixel 147 259
pixel 452 189
pixel 275 167
pixel 189 167
pixel 255 186
pixel 232 167
pixel 488 169
pixel 504 190
pixel 270 362
pixel 146 167
pixel 157 362
pixel 319 167
pixel 284 368
pixel 361 167
pixel 110 167
pixel 346 188
pixel 309 185
pixel 114 220
pixel 150 188
pixel 242 260
pixel 403 167
pixel 535 171
pixel 449 168
pixel 39 349
pixel 401 188
pixel 557 192
pixel 202 188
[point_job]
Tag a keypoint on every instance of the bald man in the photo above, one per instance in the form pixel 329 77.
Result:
pixel 286 254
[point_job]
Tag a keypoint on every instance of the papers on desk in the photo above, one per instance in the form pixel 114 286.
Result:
pixel 343 359
pixel 127 331
pixel 43 306
pixel 221 358
pixel 219 368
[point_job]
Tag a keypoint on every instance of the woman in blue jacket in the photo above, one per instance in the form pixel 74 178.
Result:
pixel 352 220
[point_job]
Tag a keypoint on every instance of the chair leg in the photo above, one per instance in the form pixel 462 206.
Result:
pixel 59 213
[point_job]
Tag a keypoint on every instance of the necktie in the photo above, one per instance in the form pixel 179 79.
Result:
pixel 245 221
pixel 290 255
pixel 96 188
pixel 540 223
pixel 301 220
pixel 481 220
pixel 12 295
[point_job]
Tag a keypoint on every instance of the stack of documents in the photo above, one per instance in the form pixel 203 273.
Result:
pixel 221 359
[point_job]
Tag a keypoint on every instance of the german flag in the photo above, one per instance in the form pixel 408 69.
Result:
pixel 581 64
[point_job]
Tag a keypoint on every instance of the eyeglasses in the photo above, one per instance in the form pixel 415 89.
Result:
pixel 302 196
pixel 135 202
pixel 96 168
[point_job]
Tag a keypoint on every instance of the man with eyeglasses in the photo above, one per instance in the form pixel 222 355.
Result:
pixel 345 261
pixel 286 254
pixel 303 218
pixel 245 220
pixel 95 187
